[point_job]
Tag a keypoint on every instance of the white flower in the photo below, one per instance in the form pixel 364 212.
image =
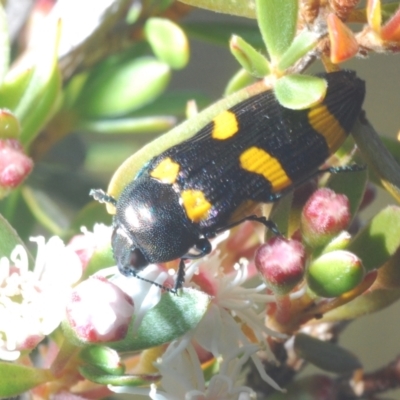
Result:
pixel 144 295
pixel 235 317
pixel 184 379
pixel 32 302
pixel 232 307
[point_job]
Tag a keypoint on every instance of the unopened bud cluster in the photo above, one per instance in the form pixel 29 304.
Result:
pixel 318 255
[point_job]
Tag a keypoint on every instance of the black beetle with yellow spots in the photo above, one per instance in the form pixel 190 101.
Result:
pixel 255 152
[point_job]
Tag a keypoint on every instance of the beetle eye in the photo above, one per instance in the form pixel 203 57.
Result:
pixel 137 260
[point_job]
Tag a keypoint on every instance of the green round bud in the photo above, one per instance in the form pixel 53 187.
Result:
pixel 335 273
pixel 103 358
pixel 9 125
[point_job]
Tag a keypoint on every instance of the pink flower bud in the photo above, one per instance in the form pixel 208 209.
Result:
pixel 325 215
pixel 99 311
pixel 369 196
pixel 280 262
pixel 88 243
pixel 83 248
pixel 15 166
pixel 30 342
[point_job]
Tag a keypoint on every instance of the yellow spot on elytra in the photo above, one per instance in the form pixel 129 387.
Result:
pixel 326 124
pixel 166 171
pixel 195 204
pixel 225 125
pixel 260 162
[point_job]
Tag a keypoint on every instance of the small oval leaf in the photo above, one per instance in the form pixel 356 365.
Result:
pixel 325 355
pixel 118 89
pixel 232 7
pixel 9 239
pixel 17 379
pixel 172 317
pixel 277 20
pixel 4 44
pixel 352 184
pixel 302 43
pixel 379 239
pixel 298 92
pixel 220 32
pixel 249 58
pixel 239 81
pixel 128 126
pixel 168 42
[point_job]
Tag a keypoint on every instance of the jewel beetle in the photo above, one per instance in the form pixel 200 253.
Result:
pixel 252 153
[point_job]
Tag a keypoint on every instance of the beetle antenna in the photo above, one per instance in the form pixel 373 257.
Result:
pixel 178 283
pixel 102 197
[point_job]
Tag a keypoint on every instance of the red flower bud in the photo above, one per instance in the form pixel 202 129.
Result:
pixel 324 216
pixel 15 165
pixel 280 262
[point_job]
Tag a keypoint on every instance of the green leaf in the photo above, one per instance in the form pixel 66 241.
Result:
pixel 172 103
pixel 45 72
pixel 14 87
pixel 97 375
pixel 233 7
pixel 45 210
pixel 17 379
pixel 383 292
pixel 168 42
pixel 325 355
pixel 249 58
pixel 388 10
pixel 280 214
pixel 129 126
pixel 309 388
pixel 16 212
pixel 298 92
pixel 46 104
pixel 379 239
pixel 301 45
pixel 9 239
pixel 277 20
pixel 219 33
pixel 172 317
pixel 4 45
pixel 393 145
pixel 352 184
pixel 101 258
pixel 377 156
pixel 93 213
pixel 113 90
pixel 239 81
pixel 103 157
pixel 365 304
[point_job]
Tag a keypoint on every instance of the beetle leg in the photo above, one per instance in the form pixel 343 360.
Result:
pixel 344 168
pixel 180 277
pixel 204 247
pixel 262 220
